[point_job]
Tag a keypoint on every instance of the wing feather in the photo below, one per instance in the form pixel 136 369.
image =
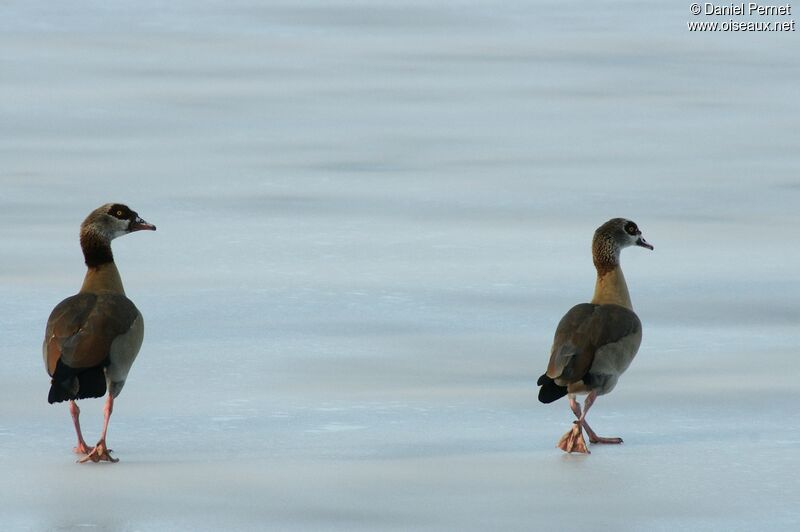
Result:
pixel 581 332
pixel 81 329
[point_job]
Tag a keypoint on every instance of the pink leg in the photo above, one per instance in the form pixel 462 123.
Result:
pixel 81 448
pixel 100 451
pixel 107 409
pixel 575 406
pixel 572 441
pixel 594 438
pixel 576 409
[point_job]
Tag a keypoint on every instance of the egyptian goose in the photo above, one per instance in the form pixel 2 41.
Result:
pixel 595 342
pixel 92 338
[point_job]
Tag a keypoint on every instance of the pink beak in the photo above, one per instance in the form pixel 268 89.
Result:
pixel 140 225
pixel 640 242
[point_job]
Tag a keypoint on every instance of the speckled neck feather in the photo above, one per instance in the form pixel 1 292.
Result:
pixel 96 249
pixel 605 253
pixel 610 287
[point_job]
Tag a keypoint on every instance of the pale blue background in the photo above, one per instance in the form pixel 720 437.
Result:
pixel 371 218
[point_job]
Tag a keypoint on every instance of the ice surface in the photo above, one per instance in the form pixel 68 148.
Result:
pixel 370 219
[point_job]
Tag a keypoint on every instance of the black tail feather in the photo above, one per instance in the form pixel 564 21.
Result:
pixel 550 391
pixel 70 383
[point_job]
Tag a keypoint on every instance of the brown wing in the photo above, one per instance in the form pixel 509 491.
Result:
pixel 581 332
pixel 81 328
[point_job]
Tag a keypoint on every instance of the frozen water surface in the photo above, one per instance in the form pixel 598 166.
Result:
pixel 371 218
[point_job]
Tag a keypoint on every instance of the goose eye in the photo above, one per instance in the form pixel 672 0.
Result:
pixel 630 228
pixel 119 213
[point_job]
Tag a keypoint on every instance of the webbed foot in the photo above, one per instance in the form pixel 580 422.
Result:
pixel 81 448
pixel 100 453
pixel 600 439
pixel 572 441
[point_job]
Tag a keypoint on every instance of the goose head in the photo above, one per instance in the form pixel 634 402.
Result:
pixel 111 220
pixel 612 237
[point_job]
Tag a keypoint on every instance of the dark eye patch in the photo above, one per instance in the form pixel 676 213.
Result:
pixel 120 211
pixel 631 228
